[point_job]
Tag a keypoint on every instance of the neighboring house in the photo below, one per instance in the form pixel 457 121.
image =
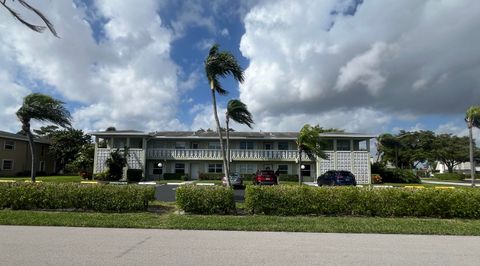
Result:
pixel 192 153
pixel 460 168
pixel 15 155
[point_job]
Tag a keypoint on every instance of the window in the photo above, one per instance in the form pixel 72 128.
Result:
pixel 41 166
pixel 195 145
pixel 102 143
pixel 9 145
pixel 136 143
pixel 307 170
pixel 246 145
pixel 215 168
pixel 157 144
pixel 327 144
pixel 157 170
pixel 283 145
pixel 7 165
pixel 246 168
pixel 180 145
pixel 119 142
pixel 214 145
pixel 343 145
pixel 359 145
pixel 179 168
pixel 267 146
pixel 283 169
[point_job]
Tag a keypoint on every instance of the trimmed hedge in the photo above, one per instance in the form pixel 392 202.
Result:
pixel 205 199
pixel 210 176
pixel 30 196
pixel 394 202
pixel 284 177
pixel 134 175
pixel 451 176
pixel 172 176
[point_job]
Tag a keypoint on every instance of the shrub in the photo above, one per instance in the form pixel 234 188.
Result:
pixel 134 175
pixel 27 196
pixel 451 176
pixel 210 176
pixel 172 176
pixel 394 175
pixel 205 199
pixel 115 164
pixel 185 177
pixel 103 176
pixel 395 202
pixel 376 179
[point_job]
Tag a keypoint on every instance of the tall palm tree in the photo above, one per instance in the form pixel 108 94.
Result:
pixel 472 117
pixel 238 112
pixel 43 108
pixel 309 142
pixel 33 27
pixel 219 64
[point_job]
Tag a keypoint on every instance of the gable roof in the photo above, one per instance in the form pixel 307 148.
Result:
pixel 8 135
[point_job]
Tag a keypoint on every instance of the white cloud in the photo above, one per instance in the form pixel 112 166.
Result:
pixel 309 58
pixel 127 79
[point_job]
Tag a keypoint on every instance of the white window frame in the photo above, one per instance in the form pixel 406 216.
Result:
pixel 3 164
pixel 217 168
pixel 247 145
pixel 214 145
pixel 283 142
pixel 180 145
pixel 177 167
pixel 13 145
pixel 282 172
pixel 246 168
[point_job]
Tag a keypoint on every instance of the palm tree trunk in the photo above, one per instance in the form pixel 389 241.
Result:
pixel 300 178
pixel 227 120
pixel 214 100
pixel 472 162
pixel 33 171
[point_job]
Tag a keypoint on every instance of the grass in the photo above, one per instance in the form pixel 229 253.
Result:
pixel 57 179
pixel 164 218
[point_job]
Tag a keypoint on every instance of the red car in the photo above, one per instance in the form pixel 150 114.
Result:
pixel 265 177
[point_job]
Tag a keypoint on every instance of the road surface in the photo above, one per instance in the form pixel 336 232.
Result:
pixel 21 245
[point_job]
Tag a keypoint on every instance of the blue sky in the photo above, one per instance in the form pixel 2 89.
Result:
pixel 364 66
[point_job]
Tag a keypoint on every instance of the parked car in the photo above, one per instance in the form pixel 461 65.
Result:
pixel 236 181
pixel 265 177
pixel 337 178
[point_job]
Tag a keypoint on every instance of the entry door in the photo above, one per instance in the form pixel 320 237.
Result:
pixel 268 146
pixel 194 170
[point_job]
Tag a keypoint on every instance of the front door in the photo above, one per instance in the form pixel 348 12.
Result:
pixel 194 170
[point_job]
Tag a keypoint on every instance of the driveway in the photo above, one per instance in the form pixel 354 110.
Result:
pixel 167 193
pixel 30 245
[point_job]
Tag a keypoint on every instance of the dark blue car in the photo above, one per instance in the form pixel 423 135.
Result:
pixel 337 178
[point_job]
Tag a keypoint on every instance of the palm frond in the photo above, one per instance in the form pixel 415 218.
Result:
pixel 238 112
pixel 310 142
pixel 40 14
pixel 17 16
pixel 44 108
pixel 217 86
pixel 221 64
pixel 472 116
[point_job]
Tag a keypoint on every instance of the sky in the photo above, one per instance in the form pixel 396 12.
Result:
pixel 370 66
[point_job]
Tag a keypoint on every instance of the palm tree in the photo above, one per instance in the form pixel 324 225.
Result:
pixel 33 27
pixel 43 108
pixel 472 117
pixel 309 142
pixel 238 112
pixel 220 64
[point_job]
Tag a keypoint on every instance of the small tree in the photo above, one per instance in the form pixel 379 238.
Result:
pixel 472 117
pixel 451 150
pixel 83 163
pixel 115 163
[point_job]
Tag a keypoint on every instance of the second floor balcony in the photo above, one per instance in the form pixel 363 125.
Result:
pixel 216 154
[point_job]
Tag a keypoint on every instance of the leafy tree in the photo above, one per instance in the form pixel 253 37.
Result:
pixel 115 164
pixel 407 149
pixel 310 143
pixel 66 144
pixel 43 108
pixel 83 162
pixel 238 112
pixel 451 150
pixel 472 117
pixel 17 16
pixel 219 64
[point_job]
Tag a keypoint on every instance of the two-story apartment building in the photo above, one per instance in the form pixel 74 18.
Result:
pixel 192 153
pixel 15 155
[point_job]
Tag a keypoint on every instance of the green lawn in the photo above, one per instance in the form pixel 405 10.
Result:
pixel 164 218
pixel 57 179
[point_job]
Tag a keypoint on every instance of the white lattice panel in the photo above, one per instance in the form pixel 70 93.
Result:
pixel 327 164
pixel 360 167
pixel 344 161
pixel 101 157
pixel 134 159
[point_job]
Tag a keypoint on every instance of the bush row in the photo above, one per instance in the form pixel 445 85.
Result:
pixel 210 176
pixel 28 196
pixel 397 202
pixel 205 199
pixel 394 175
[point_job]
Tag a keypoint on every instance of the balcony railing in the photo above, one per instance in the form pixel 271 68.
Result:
pixel 214 154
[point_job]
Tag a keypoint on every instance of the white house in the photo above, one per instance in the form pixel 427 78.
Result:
pixel 196 152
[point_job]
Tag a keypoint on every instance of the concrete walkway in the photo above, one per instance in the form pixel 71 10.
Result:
pixel 22 245
pixel 446 183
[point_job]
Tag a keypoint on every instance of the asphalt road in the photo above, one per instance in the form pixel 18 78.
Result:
pixel 167 193
pixel 100 246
